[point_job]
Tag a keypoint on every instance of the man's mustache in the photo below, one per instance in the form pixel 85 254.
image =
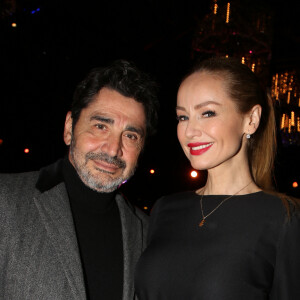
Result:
pixel 105 157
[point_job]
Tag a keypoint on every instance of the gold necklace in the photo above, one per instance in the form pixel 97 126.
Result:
pixel 201 223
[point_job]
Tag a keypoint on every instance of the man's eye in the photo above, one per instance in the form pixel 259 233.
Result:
pixel 208 114
pixel 100 126
pixel 181 118
pixel 132 136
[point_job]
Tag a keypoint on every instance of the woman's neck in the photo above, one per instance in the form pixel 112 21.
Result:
pixel 229 179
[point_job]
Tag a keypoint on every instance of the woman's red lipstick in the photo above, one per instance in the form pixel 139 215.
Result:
pixel 199 148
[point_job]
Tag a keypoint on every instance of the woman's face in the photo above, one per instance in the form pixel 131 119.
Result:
pixel 210 129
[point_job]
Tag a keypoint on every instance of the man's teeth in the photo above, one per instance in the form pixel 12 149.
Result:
pixel 202 146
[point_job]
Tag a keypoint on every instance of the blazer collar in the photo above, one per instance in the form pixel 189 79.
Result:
pixel 50 176
pixel 132 232
pixel 54 209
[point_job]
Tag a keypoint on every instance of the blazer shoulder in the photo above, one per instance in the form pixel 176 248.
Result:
pixel 18 182
pixel 30 182
pixel 16 194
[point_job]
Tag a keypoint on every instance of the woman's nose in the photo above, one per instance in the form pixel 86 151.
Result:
pixel 193 129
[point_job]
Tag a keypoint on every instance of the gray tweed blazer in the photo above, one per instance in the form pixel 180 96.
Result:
pixel 39 257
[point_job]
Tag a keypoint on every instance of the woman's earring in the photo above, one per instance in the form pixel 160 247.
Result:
pixel 248 135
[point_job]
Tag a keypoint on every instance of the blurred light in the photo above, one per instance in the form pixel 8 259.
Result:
pixel 13 24
pixel 250 51
pixel 26 150
pixel 215 8
pixel 152 171
pixel 295 184
pixel 282 121
pixel 1 142
pixel 228 12
pixel 34 11
pixel 145 207
pixel 292 118
pixel 194 174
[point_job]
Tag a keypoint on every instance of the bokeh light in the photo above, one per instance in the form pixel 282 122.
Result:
pixel 194 174
pixel 295 184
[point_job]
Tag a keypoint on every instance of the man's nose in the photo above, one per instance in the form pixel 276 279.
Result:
pixel 113 146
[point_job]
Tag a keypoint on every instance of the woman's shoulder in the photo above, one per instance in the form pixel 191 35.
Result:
pixel 174 199
pixel 291 205
pixel 288 205
pixel 178 196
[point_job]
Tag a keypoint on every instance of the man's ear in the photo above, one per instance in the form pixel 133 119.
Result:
pixel 68 129
pixel 253 119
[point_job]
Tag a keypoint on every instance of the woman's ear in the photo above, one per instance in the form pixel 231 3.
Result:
pixel 254 119
pixel 68 129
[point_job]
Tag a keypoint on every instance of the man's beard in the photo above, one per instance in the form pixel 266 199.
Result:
pixel 93 182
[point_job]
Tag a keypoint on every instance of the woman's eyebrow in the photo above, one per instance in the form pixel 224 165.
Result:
pixel 200 105
pixel 206 103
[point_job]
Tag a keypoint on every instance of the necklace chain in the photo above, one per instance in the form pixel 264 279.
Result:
pixel 201 223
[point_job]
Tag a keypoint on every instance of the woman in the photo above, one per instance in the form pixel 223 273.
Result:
pixel 230 239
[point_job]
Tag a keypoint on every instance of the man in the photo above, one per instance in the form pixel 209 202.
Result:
pixel 65 232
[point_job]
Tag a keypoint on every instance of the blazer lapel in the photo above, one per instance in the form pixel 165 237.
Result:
pixel 132 244
pixel 54 208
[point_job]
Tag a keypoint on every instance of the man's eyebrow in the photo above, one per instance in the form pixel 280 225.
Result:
pixel 107 120
pixel 199 105
pixel 102 119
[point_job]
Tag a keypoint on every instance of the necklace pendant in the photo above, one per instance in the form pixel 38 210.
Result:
pixel 202 223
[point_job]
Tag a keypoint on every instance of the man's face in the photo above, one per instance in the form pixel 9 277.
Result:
pixel 107 140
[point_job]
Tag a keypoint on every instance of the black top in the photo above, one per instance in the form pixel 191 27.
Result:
pixel 99 234
pixel 245 250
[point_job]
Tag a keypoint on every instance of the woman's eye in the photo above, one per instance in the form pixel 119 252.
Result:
pixel 208 114
pixel 182 118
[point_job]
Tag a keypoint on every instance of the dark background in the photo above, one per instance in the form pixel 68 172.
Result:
pixel 56 43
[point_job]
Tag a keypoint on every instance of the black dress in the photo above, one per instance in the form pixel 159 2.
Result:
pixel 247 249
